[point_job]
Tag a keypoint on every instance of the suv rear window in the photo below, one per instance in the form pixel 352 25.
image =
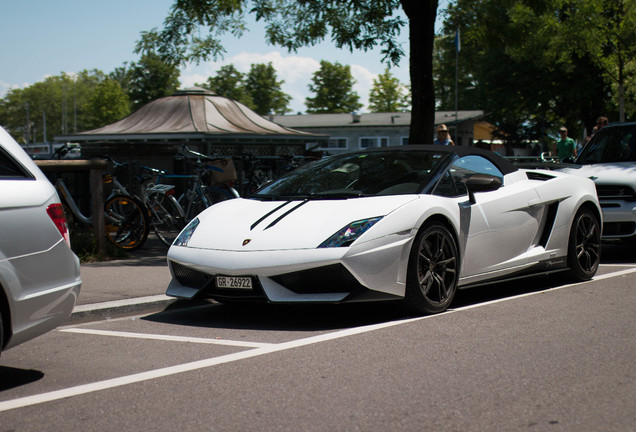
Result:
pixel 611 144
pixel 10 169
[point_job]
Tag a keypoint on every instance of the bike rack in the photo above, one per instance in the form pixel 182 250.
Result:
pixel 96 167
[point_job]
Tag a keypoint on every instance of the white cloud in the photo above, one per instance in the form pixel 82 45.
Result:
pixel 5 87
pixel 296 72
pixel 364 78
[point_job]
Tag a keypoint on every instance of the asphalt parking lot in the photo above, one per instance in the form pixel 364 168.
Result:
pixel 536 355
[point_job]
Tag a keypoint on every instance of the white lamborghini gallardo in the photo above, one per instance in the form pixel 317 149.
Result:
pixel 411 222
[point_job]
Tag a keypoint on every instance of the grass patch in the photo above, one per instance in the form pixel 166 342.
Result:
pixel 84 245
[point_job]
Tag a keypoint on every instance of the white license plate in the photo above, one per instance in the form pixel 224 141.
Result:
pixel 234 282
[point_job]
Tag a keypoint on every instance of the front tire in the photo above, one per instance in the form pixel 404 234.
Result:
pixel 584 246
pixel 433 270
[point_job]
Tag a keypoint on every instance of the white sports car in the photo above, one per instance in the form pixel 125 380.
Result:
pixel 410 222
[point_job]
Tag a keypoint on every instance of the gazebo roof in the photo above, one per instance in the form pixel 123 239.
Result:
pixel 190 112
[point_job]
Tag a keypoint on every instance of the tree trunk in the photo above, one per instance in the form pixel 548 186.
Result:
pixel 421 15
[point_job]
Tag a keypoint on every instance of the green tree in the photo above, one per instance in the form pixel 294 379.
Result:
pixel 354 25
pixel 600 31
pixel 107 104
pixel 152 78
pixel 55 106
pixel 123 75
pixel 230 83
pixel 265 90
pixel 388 94
pixel 507 67
pixel 332 85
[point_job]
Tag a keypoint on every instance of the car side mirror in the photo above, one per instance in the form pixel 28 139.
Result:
pixel 481 183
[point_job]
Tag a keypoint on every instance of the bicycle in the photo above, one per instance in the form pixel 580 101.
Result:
pixel 166 215
pixel 125 218
pixel 200 193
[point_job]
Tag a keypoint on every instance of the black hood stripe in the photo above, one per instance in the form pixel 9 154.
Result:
pixel 286 213
pixel 255 224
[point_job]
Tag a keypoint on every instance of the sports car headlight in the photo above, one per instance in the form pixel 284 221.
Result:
pixel 350 233
pixel 187 232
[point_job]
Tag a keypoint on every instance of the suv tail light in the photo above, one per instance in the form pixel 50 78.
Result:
pixel 56 213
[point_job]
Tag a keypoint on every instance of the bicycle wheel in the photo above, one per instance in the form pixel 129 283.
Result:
pixel 127 222
pixel 166 217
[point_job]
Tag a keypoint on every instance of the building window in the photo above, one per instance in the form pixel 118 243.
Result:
pixel 404 140
pixel 335 143
pixel 370 142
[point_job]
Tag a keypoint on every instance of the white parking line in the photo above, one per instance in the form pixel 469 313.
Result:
pixel 172 370
pixel 255 352
pixel 166 337
pixel 518 296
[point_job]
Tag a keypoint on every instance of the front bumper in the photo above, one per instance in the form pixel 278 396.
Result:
pixel 375 270
pixel 619 219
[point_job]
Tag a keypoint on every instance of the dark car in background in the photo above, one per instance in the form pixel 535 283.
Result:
pixel 610 160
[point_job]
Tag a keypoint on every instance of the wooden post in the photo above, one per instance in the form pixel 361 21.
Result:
pixel 95 167
pixel 97 204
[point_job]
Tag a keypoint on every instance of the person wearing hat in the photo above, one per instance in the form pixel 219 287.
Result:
pixel 565 147
pixel 443 136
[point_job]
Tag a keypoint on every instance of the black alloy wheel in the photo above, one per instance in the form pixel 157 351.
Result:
pixel 433 270
pixel 584 248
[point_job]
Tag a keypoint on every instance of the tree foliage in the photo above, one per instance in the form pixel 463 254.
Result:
pixel 352 25
pixel 152 78
pixel 230 83
pixel 108 103
pixel 332 85
pixel 522 62
pixel 599 31
pixel 60 105
pixel 388 94
pixel 65 104
pixel 265 89
pixel 259 89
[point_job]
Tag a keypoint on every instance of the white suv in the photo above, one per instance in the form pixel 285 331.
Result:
pixel 39 274
pixel 610 160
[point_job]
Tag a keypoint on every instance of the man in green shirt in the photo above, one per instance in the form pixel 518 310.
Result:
pixel 565 147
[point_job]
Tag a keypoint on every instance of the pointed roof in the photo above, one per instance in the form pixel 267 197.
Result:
pixel 191 111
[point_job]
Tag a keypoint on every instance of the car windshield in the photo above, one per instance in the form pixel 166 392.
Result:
pixel 356 175
pixel 611 144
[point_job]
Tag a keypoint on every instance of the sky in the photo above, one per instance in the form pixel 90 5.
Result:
pixel 43 38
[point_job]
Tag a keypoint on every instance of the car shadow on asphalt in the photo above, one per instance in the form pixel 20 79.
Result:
pixel 322 317
pixel 13 377
pixel 288 317
pixel 618 253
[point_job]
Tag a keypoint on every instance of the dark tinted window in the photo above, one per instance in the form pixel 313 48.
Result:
pixel 10 169
pixel 445 186
pixel 358 174
pixel 611 144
